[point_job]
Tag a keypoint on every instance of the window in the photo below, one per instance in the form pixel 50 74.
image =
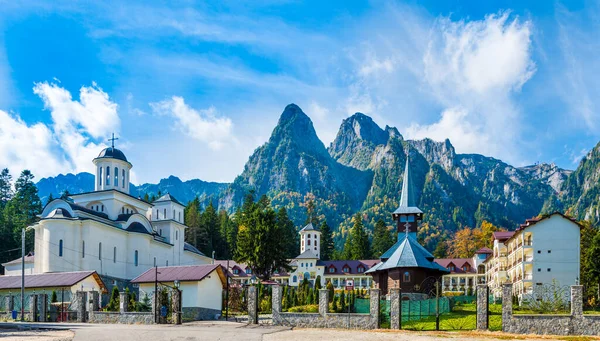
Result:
pixel 346 269
pixel 107 176
pixel 361 269
pixel 309 242
pixel 173 214
pixel 100 178
pixel 236 271
pixel 248 271
pixel 539 270
pixel 451 268
pixel 83 249
pixel 123 177
pixel 549 270
pixel 465 268
pixel 308 236
pixel 156 214
pixel 165 213
pixel 60 248
pixel 167 263
pixel 100 251
pixel 294 279
pixel 179 216
pixel 102 208
pixel 116 177
pixel 155 261
pixel 539 251
pixel 315 236
pixel 311 265
pixel 406 277
pixel 411 218
pixel 331 270
pixel 549 251
pixel 176 235
pixel 135 258
pixel 301 265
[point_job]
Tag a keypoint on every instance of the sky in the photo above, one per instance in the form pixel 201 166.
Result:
pixel 191 89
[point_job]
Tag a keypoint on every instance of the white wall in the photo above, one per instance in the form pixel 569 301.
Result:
pixel 207 293
pixel 15 269
pixel 561 237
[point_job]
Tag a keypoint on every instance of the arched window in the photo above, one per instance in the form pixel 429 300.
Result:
pixel 123 177
pixel 176 235
pixel 173 214
pixel 406 277
pixel 165 213
pixel 167 263
pixel 83 249
pixel 180 216
pixel 155 261
pixel 295 279
pixel 115 255
pixel 99 176
pixel 107 176
pixel 60 248
pixel 315 236
pixel 156 214
pixel 308 242
pixel 135 258
pixel 116 177
pixel 100 251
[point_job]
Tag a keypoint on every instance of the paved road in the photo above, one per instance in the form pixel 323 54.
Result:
pixel 242 332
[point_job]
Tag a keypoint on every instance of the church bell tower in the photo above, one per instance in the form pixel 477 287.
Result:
pixel 112 169
pixel 407 215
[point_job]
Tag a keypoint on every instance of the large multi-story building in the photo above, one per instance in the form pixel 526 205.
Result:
pixel 465 273
pixel 541 251
pixel 110 231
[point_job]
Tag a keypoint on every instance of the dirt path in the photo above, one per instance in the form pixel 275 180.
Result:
pixel 36 335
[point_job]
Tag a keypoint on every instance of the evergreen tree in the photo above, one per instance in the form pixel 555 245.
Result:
pixel 228 232
pixel 50 198
pixel 346 254
pixel 22 209
pixel 196 234
pixel 331 290
pixel 114 302
pixel 334 305
pixel 210 224
pixel 342 302
pixel 326 246
pixel 5 187
pixel 359 247
pixel 291 237
pixel 259 239
pixel 590 255
pixel 65 194
pixel 382 239
pixel 318 282
pixel 147 198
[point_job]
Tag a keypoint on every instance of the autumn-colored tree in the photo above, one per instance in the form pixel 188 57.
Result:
pixel 467 240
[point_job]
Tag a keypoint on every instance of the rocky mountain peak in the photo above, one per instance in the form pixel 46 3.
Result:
pixel 295 126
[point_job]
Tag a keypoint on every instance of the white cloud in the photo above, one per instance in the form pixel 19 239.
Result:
pixel 27 147
pixel 480 56
pixel 474 69
pixel 67 144
pixel 202 125
pixel 76 124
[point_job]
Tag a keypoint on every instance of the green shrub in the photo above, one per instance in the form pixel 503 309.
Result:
pixel 311 308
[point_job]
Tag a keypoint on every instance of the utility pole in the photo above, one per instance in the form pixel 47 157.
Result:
pixel 23 275
pixel 156 294
pixel 227 293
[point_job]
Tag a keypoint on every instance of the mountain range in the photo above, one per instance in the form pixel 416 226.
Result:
pixel 361 171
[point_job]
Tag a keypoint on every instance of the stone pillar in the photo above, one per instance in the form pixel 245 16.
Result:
pixel 482 306
pixel 81 306
pixel 43 303
pixel 395 306
pixel 276 304
pixel 33 308
pixel 323 302
pixel 577 301
pixel 374 310
pixel 94 301
pixel 507 306
pixel 9 303
pixel 123 302
pixel 252 305
pixel 176 306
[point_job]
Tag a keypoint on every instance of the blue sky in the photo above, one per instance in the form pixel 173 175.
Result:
pixel 192 88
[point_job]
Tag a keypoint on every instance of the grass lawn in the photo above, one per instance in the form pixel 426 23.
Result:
pixel 462 317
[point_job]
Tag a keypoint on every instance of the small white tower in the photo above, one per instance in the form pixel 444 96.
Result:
pixel 310 239
pixel 112 169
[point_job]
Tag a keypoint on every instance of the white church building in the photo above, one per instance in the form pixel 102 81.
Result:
pixel 109 231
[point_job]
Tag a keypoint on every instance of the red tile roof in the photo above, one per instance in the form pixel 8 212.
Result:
pixel 458 264
pixel 502 235
pixel 49 280
pixel 178 273
pixel 484 250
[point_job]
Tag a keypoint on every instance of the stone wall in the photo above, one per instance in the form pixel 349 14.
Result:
pixel 200 314
pixel 574 324
pixel 122 318
pixel 324 319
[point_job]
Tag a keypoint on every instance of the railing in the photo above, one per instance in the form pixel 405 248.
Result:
pixel 528 276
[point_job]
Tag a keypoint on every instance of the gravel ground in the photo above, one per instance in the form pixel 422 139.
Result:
pixel 36 335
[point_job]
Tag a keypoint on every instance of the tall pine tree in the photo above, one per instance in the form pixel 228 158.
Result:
pixel 291 237
pixel 382 239
pixel 23 208
pixel 327 246
pixel 359 247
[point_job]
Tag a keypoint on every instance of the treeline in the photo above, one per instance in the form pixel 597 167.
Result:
pixel 19 207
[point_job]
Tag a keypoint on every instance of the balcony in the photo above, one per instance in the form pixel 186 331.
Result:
pixel 528 277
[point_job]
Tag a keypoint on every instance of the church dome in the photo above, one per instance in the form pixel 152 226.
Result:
pixel 112 153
